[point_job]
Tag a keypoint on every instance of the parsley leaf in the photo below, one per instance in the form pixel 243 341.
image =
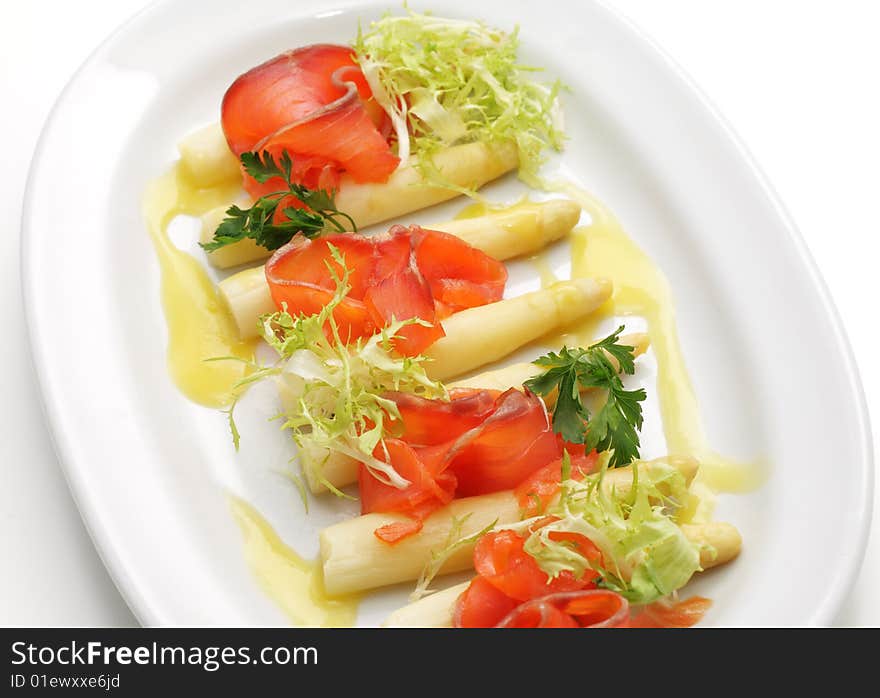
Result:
pixel 258 222
pixel 616 424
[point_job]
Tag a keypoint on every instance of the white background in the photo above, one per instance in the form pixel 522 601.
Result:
pixel 797 79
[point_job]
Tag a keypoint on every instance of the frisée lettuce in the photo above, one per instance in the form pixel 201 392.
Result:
pixel 333 392
pixel 445 82
pixel 645 554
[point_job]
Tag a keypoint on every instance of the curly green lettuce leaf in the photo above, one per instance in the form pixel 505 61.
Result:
pixel 645 554
pixel 333 392
pixel 445 82
pixel 455 541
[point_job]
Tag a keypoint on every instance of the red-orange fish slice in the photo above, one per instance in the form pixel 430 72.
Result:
pixel 508 447
pixel 662 614
pixel 493 442
pixel 288 88
pixel 501 559
pixel 460 276
pixel 393 253
pixel 313 102
pixel 430 488
pixel 590 608
pixel 343 134
pixel 481 605
pixel 300 280
pixel 404 296
pixel 395 532
pixel 398 291
pixel 430 422
pixel 312 172
pixel 386 282
pixel 537 491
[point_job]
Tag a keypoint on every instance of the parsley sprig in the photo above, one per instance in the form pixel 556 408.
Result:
pixel 257 222
pixel 615 426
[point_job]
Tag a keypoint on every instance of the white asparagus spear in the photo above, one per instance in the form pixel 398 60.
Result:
pixel 478 336
pixel 474 337
pixel 354 559
pixel 522 229
pixel 340 470
pixel 515 231
pixel 433 611
pixel 206 157
pixel 246 295
pixel 721 543
pixel 468 166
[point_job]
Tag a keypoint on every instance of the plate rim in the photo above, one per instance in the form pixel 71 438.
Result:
pixel 833 603
pixel 855 547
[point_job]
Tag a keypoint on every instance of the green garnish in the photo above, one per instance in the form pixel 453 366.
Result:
pixel 257 222
pixel 645 554
pixel 300 487
pixel 455 541
pixel 233 427
pixel 445 82
pixel 616 424
pixel 333 392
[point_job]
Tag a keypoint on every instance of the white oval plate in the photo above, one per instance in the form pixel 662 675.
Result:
pixel 150 471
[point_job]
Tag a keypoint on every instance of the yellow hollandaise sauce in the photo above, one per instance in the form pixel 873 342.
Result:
pixel 603 249
pixel 474 210
pixel 484 208
pixel 294 584
pixel 200 327
pixel 540 263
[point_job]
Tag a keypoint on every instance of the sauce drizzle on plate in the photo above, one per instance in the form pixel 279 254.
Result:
pixel 603 249
pixel 293 583
pixel 199 325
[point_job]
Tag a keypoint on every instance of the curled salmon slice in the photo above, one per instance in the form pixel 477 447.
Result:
pixel 430 487
pixel 314 103
pixel 389 281
pixel 460 276
pixel 590 608
pixel 301 282
pixel 399 291
pixel 430 422
pixel 481 605
pixel 478 442
pixel 666 614
pixel 511 444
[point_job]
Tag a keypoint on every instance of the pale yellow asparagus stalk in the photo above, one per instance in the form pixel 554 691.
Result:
pixel 521 229
pixel 433 611
pixel 720 543
pixel 354 559
pixel 321 465
pixel 246 295
pixel 468 166
pixel 206 159
pixel 340 469
pixel 517 230
pixel 478 336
